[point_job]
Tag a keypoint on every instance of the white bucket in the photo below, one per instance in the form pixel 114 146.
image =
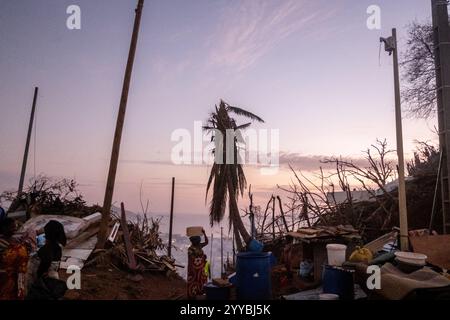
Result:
pixel 336 254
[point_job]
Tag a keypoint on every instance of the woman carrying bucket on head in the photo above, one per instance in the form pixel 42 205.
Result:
pixel 197 277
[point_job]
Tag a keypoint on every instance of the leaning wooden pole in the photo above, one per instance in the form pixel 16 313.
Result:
pixel 119 127
pixel 27 144
pixel 169 248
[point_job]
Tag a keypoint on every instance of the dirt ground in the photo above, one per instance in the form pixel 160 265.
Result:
pixel 113 284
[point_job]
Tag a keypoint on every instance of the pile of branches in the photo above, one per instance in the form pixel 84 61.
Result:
pixel 146 244
pixel 45 195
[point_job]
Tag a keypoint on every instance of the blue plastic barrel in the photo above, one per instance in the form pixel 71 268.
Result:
pixel 253 276
pixel 214 292
pixel 338 281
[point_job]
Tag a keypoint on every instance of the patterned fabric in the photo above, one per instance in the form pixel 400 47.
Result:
pixel 196 272
pixel 14 261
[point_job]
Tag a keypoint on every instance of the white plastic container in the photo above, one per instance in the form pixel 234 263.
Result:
pixel 417 259
pixel 336 254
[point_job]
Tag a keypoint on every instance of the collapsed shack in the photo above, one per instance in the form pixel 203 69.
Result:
pixel 146 247
pixel 146 244
pixel 311 244
pixel 47 199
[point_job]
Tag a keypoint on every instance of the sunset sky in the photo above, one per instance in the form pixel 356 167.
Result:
pixel 309 68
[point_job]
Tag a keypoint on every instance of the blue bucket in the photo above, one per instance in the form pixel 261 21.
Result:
pixel 214 292
pixel 253 276
pixel 338 281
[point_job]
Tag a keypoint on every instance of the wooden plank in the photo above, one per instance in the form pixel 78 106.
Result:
pixel 74 243
pixel 436 248
pixel 127 240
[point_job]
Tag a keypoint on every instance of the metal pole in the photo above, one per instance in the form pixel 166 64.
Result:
pixel 273 218
pixel 119 127
pixel 211 256
pixel 234 253
pixel 403 214
pixel 27 145
pixel 169 249
pixel 221 252
pixel 433 210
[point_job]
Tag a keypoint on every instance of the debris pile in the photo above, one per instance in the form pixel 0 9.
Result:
pixel 138 248
pixel 131 246
pixel 346 231
pixel 46 195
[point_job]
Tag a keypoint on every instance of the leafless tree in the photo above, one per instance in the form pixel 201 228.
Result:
pixel 425 161
pixel 379 169
pixel 418 71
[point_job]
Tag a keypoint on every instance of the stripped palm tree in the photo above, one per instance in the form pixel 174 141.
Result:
pixel 227 178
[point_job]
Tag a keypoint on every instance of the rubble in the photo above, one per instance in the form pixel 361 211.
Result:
pixel 144 253
pixel 144 236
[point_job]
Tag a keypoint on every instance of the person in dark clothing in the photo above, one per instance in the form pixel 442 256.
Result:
pixel 48 286
pixel 51 253
pixel 2 214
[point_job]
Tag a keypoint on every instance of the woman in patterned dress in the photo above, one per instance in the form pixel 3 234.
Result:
pixel 196 267
pixel 13 261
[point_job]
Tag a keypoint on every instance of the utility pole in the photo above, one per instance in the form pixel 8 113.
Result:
pixel 273 217
pixel 119 127
pixel 169 249
pixel 211 259
pixel 27 145
pixel 441 31
pixel 392 48
pixel 222 273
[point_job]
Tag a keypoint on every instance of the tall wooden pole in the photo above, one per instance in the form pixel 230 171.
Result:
pixel 118 133
pixel 169 249
pixel 403 213
pixel 27 144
